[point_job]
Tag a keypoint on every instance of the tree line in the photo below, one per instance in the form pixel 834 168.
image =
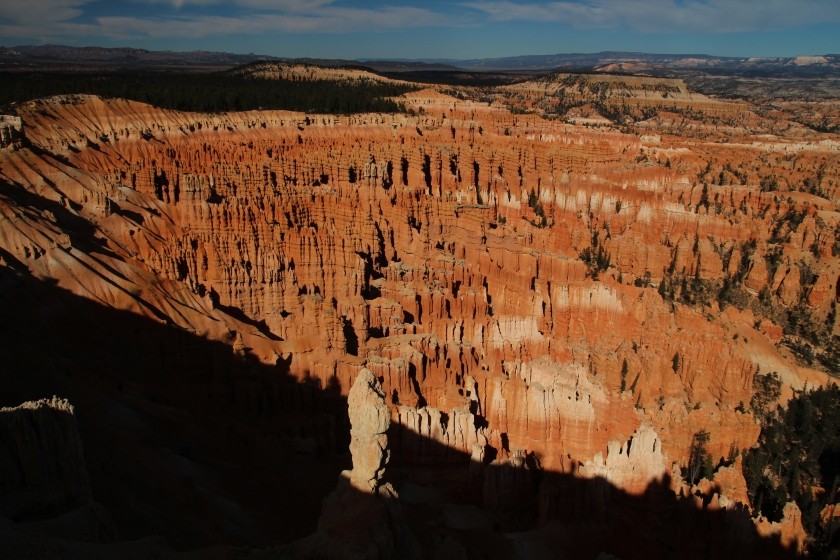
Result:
pixel 209 92
pixel 797 459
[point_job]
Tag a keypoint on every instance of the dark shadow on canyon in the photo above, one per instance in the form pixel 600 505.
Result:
pixel 187 439
pixel 527 512
pixel 183 437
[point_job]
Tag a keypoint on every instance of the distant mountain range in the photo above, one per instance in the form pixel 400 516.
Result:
pixel 631 60
pixel 59 56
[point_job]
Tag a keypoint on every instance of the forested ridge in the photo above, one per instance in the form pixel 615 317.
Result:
pixel 209 92
pixel 797 459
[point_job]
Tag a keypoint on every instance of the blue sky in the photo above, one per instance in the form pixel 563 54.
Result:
pixel 431 28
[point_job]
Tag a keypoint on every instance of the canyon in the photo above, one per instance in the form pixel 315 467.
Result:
pixel 516 307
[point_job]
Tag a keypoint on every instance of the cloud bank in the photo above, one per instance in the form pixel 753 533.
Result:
pixel 668 16
pixel 90 21
pixel 68 19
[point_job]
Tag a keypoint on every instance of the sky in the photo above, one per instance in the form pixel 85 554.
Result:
pixel 431 29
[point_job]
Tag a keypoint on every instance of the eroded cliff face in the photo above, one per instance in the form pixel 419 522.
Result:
pixel 528 292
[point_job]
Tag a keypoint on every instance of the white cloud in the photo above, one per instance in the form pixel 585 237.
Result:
pixel 248 17
pixel 76 20
pixel 286 5
pixel 329 20
pixel 706 16
pixel 269 5
pixel 45 11
pixel 314 7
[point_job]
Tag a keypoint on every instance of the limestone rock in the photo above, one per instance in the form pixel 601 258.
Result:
pixel 789 530
pixel 369 421
pixel 730 482
pixel 361 518
pixel 440 280
pixel 631 465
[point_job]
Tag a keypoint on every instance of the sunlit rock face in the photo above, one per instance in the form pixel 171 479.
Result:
pixel 369 421
pixel 523 290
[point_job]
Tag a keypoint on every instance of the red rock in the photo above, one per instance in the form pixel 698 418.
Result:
pixel 789 530
pixel 407 245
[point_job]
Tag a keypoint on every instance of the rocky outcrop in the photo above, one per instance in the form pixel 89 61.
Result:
pixel 46 503
pixel 788 530
pixel 369 421
pixel 729 482
pixel 11 131
pixel 43 470
pixel 630 465
pixel 362 519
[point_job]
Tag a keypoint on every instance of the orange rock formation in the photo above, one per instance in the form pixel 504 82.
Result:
pixel 527 291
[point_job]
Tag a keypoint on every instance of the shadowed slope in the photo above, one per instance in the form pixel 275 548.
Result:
pixel 175 446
